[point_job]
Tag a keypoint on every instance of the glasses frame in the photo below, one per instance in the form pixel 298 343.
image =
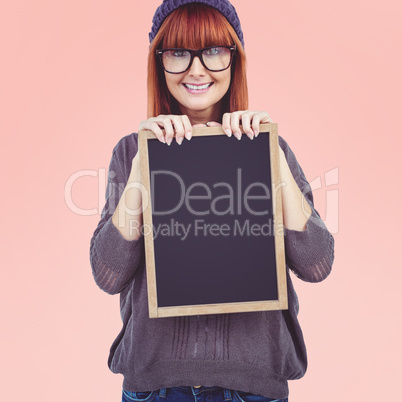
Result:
pixel 196 53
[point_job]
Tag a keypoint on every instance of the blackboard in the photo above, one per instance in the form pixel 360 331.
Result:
pixel 213 228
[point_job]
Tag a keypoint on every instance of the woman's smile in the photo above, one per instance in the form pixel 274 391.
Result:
pixel 198 88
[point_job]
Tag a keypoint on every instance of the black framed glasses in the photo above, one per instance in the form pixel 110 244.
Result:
pixel 213 58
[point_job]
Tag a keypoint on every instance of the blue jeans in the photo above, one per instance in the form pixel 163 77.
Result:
pixel 202 394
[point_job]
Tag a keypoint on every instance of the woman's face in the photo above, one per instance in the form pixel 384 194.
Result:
pixel 198 90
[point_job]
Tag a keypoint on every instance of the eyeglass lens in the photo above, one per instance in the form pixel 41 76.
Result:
pixel 216 58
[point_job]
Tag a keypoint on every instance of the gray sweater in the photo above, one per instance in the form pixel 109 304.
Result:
pixel 255 352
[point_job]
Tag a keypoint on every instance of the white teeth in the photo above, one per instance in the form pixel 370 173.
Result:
pixel 189 86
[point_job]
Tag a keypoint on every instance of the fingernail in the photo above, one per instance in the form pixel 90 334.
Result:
pixel 228 132
pixel 256 133
pixel 179 140
pixel 188 135
pixel 163 140
pixel 238 136
pixel 169 141
pixel 250 136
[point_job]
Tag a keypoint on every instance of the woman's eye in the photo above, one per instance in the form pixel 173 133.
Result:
pixel 179 53
pixel 213 51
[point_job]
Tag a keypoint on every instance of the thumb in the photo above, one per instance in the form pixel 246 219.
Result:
pixel 209 124
pixel 213 124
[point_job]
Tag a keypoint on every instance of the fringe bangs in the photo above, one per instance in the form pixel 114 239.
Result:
pixel 196 26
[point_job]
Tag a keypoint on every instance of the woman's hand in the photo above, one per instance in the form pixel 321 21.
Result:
pixel 178 126
pixel 250 121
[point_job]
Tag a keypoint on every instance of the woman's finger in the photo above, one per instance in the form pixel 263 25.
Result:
pixel 260 118
pixel 152 125
pixel 157 131
pixel 169 132
pixel 256 124
pixel 235 123
pixel 179 128
pixel 188 129
pixel 226 124
pixel 246 121
pixel 265 117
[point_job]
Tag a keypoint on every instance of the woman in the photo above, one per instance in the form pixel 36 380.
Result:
pixel 241 356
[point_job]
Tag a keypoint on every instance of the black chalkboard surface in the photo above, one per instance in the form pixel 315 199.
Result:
pixel 216 244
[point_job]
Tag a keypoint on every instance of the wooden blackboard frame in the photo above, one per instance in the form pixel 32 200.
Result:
pixel 281 302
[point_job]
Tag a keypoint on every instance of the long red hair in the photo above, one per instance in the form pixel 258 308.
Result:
pixel 194 26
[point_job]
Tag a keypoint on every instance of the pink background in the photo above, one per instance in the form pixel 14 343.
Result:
pixel 73 83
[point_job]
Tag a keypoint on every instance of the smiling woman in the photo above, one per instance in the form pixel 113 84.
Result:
pixel 212 29
pixel 197 76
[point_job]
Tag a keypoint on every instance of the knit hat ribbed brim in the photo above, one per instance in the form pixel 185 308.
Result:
pixel 223 6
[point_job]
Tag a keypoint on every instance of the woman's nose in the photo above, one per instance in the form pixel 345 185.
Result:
pixel 197 68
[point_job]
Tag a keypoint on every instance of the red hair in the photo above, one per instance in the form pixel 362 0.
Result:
pixel 195 26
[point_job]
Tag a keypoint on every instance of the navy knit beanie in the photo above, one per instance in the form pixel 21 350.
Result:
pixel 223 6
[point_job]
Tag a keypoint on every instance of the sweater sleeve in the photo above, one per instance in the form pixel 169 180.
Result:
pixel 114 259
pixel 309 253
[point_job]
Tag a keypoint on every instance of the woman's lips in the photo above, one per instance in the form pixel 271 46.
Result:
pixel 198 88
